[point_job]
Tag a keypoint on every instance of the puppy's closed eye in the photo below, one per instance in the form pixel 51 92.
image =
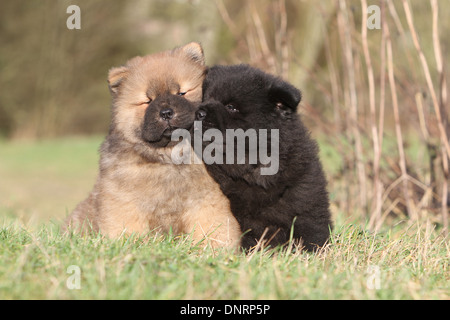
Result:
pixel 144 102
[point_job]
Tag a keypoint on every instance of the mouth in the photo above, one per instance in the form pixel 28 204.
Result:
pixel 165 139
pixel 167 133
pixel 207 125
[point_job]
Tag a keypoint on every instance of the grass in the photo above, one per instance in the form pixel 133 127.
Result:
pixel 409 263
pixel 405 261
pixel 46 179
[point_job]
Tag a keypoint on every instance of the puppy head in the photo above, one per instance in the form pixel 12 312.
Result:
pixel 244 97
pixel 241 97
pixel 156 94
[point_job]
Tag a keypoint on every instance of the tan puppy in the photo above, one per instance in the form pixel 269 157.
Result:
pixel 139 189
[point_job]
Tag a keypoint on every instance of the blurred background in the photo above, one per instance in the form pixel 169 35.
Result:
pixel 375 98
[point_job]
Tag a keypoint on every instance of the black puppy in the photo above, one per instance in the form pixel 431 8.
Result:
pixel 288 200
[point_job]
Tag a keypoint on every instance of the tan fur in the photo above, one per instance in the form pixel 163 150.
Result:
pixel 139 189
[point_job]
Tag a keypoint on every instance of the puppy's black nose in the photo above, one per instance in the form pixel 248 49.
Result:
pixel 166 114
pixel 200 114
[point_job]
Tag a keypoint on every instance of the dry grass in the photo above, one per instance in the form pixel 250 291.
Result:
pixel 376 87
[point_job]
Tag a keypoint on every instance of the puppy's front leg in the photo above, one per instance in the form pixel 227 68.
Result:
pixel 213 224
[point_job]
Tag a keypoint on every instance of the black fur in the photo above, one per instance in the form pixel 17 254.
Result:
pixel 295 198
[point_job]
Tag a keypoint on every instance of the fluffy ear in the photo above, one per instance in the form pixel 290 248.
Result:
pixel 193 51
pixel 285 97
pixel 115 77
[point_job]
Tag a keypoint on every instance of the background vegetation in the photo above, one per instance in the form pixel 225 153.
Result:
pixel 376 100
